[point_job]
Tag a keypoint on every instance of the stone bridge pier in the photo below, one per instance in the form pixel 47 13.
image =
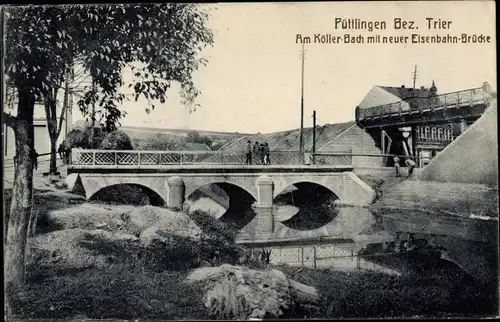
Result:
pixel 262 227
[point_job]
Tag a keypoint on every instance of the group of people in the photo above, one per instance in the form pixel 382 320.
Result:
pixel 410 164
pixel 258 153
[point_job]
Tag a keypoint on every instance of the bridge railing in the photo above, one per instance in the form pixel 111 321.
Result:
pixel 449 100
pixel 84 157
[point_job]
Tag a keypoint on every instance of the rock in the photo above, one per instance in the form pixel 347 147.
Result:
pixel 111 236
pixel 74 248
pixel 158 223
pixel 88 215
pixel 166 233
pixel 235 292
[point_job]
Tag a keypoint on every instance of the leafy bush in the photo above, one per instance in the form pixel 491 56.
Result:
pixel 116 140
pixel 158 142
pixel 219 240
pixel 195 137
pixel 80 138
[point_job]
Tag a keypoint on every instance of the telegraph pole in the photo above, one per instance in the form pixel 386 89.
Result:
pixel 314 137
pixel 301 142
pixel 414 78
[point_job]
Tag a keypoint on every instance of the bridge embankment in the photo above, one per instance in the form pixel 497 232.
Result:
pixel 472 157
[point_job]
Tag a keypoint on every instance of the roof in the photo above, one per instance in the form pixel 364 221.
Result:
pixel 382 95
pixel 405 92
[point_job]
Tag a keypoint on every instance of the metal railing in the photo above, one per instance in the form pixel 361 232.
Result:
pixel 90 158
pixel 419 104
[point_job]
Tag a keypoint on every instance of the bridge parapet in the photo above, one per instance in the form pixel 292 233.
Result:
pixel 457 100
pixel 127 158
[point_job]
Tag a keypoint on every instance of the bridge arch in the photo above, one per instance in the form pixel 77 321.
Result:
pixel 235 203
pixel 306 205
pixel 127 192
pixel 245 184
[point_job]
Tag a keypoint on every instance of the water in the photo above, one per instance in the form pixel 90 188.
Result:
pixel 302 214
pixel 336 256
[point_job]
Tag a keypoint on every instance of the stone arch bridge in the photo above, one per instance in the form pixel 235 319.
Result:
pixel 173 183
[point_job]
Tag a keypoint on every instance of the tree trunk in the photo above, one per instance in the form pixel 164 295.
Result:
pixel 53 155
pixel 52 126
pixel 22 197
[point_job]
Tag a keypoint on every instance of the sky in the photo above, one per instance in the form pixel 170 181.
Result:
pixel 252 82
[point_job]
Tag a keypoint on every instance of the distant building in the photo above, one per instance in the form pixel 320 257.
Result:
pixel 428 139
pixel 42 140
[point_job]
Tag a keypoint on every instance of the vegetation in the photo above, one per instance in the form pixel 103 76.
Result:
pixel 138 283
pixel 167 142
pixel 195 137
pixel 100 139
pixel 45 43
pixel 116 140
pixel 429 288
pixel 158 142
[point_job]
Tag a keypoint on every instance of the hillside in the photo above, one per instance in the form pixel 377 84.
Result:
pixel 289 140
pixel 328 138
pixel 139 135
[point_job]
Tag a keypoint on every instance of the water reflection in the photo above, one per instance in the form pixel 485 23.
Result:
pixel 306 206
pixel 336 256
pixel 224 201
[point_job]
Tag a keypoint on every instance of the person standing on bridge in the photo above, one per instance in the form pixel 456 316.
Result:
pixel 396 165
pixel 256 152
pixel 267 154
pixel 262 154
pixel 307 158
pixel 248 151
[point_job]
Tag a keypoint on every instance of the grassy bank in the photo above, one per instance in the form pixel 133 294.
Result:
pixel 143 284
pixel 131 291
pixel 430 288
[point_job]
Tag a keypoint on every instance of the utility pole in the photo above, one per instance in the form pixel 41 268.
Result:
pixel 301 142
pixel 314 137
pixel 414 76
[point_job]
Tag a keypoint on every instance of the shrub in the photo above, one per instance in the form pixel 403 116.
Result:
pixel 158 142
pixel 80 138
pixel 219 240
pixel 195 137
pixel 116 140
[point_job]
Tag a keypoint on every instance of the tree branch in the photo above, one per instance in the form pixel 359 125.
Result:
pixel 9 120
